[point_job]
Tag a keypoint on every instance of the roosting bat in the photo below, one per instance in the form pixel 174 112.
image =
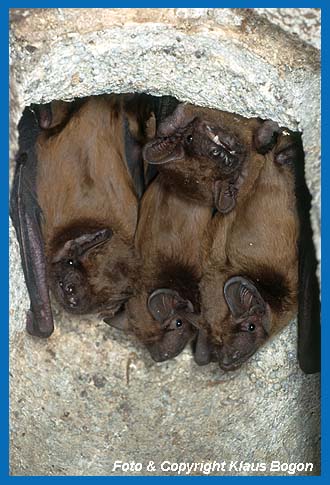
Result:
pixel 74 205
pixel 250 290
pixel 169 240
pixel 217 158
pixel 198 156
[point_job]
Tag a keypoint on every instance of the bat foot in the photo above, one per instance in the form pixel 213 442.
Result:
pixel 286 156
pixel 203 350
pixel 33 328
pixel 266 136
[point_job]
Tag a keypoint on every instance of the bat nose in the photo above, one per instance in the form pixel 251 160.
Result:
pixel 228 163
pixel 229 361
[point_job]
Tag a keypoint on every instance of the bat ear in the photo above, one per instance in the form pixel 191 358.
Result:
pixel 180 118
pixel 163 303
pixel 225 195
pixel 266 136
pixel 167 151
pixel 78 247
pixel 244 300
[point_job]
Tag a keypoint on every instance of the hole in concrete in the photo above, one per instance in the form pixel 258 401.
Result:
pixel 240 405
pixel 222 148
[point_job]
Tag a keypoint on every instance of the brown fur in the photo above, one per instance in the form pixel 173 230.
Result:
pixel 193 176
pixel 83 186
pixel 169 239
pixel 258 240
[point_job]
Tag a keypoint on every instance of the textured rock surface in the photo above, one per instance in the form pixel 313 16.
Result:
pixel 303 22
pixel 89 396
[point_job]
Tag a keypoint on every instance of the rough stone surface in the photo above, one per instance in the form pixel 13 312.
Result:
pixel 89 395
pixel 303 22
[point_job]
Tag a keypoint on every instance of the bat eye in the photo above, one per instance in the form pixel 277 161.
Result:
pixel 178 323
pixel 189 139
pixel 70 262
pixel 251 327
pixel 215 152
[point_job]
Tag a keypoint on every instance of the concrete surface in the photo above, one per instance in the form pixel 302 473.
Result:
pixel 89 395
pixel 305 23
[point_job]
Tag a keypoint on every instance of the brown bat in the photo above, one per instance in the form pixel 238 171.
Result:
pixel 74 204
pixel 198 156
pixel 169 240
pixel 250 288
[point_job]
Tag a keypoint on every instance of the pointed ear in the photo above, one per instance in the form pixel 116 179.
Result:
pixel 76 248
pixel 266 136
pixel 163 303
pixel 244 300
pixel 180 118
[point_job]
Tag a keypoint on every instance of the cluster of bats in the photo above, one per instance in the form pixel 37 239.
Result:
pixel 170 221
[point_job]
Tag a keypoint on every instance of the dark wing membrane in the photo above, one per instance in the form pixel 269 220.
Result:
pixel 26 214
pixel 162 107
pixel 133 153
pixel 309 328
pixel 141 106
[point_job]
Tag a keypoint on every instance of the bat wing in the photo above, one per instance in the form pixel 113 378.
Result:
pixel 309 328
pixel 26 216
pixel 162 108
pixel 133 153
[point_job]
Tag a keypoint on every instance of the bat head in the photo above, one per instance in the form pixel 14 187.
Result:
pixel 174 316
pixel 69 277
pixel 162 321
pixel 93 273
pixel 196 156
pixel 248 325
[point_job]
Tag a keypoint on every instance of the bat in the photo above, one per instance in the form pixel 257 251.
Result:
pixel 74 205
pixel 198 156
pixel 261 268
pixel 166 302
pixel 184 153
pixel 309 305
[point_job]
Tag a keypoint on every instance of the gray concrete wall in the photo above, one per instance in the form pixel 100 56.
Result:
pixel 89 395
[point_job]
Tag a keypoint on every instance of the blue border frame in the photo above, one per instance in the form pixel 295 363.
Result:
pixel 4 133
